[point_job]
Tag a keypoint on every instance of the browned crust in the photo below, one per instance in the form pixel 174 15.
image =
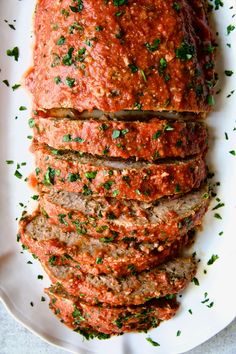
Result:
pixel 100 80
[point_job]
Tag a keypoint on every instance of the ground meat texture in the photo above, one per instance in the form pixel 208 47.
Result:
pixel 140 181
pixel 112 220
pixel 149 140
pixel 87 319
pixel 163 56
pixel 91 255
pixel 168 279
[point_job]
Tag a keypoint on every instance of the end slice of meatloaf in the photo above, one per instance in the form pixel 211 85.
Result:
pixel 161 68
pixel 121 179
pixel 92 255
pixel 81 316
pixel 111 219
pixel 167 279
pixel 150 140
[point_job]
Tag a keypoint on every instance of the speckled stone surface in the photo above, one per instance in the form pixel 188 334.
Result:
pixel 15 339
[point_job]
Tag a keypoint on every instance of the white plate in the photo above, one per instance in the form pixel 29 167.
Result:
pixel 18 280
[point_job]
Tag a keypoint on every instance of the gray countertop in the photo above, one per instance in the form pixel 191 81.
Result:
pixel 15 339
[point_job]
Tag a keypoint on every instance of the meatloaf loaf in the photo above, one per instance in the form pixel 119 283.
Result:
pixel 149 140
pixel 90 254
pixel 167 279
pixel 114 55
pixel 111 220
pixel 121 179
pixel 87 319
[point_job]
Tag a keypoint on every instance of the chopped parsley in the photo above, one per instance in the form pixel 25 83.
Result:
pixel 210 100
pixel 150 340
pixel 119 133
pixel 168 128
pixel 70 82
pixel 86 190
pixel 75 26
pixel 18 174
pixel 13 53
pixel 115 193
pixel 61 40
pixel 162 66
pixel 177 188
pixel 178 333
pixel 6 82
pixel 52 260
pixel 31 122
pixel 91 174
pixel 232 152
pixel 67 59
pixel 68 138
pixel 40 277
pixel 138 106
pixel 22 108
pixel 80 55
pixel 219 205
pixel 103 126
pixel 157 135
pixel 195 281
pixel 133 68
pixel 49 176
pixel 229 72
pixel 119 13
pixel 35 197
pixel 107 185
pixel 176 6
pixel 98 28
pixel 61 218
pixel 143 75
pixel 119 2
pixel 230 29
pixel 57 80
pixel 212 260
pixel 185 51
pixel 79 6
pixel 152 47
pixel 73 177
pixel 99 260
pixel 15 87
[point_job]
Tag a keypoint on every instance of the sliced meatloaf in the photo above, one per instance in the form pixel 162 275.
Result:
pixel 167 279
pixel 98 177
pixel 149 140
pixel 164 66
pixel 87 319
pixel 90 254
pixel 110 219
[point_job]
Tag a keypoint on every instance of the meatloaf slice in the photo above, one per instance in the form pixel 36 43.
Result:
pixel 111 219
pixel 90 254
pixel 121 179
pixel 85 318
pixel 149 140
pixel 95 55
pixel 167 279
